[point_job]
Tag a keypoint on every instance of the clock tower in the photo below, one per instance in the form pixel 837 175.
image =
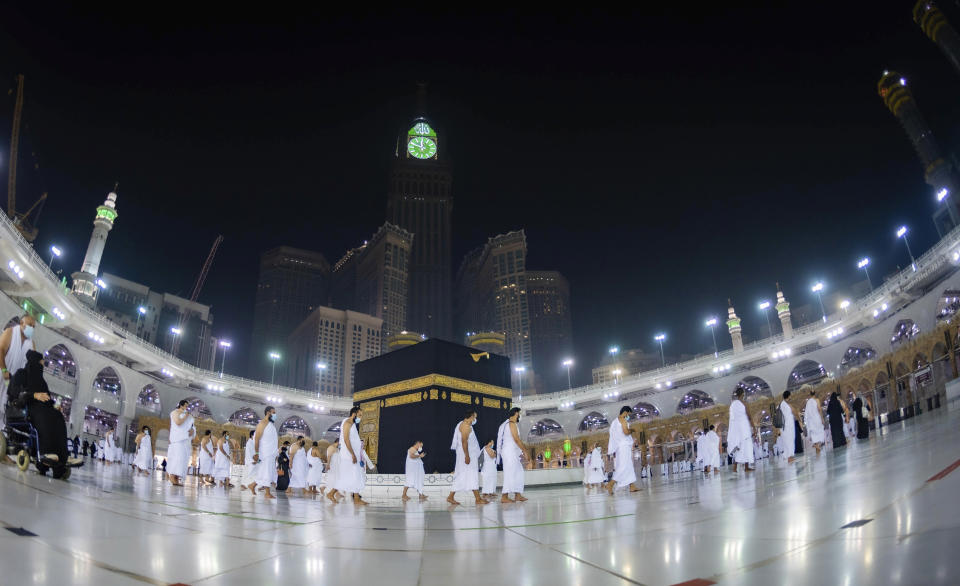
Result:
pixel 420 201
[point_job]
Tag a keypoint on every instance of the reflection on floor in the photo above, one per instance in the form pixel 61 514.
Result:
pixel 865 514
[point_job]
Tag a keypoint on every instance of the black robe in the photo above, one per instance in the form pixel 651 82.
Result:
pixel 835 414
pixel 283 464
pixel 863 425
pixel 797 438
pixel 43 415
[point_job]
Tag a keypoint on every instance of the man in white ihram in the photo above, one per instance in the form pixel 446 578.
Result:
pixel 14 343
pixel 466 474
pixel 350 469
pixel 266 446
pixel 740 433
pixel 510 451
pixel 620 445
pixel 788 432
pixel 178 445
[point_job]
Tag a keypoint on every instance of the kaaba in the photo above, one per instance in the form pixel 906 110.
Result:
pixel 420 393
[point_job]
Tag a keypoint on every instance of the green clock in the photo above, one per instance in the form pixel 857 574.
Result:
pixel 422 147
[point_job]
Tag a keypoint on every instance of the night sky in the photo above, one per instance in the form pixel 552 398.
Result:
pixel 663 160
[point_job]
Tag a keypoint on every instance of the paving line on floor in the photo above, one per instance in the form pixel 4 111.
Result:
pixel 231 515
pixel 945 472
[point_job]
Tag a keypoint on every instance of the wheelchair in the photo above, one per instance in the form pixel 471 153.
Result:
pixel 20 438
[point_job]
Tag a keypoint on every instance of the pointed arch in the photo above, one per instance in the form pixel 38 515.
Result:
pixel 806 372
pixel 198 408
pixel 334 430
pixel 644 411
pixel 108 382
pixel 948 304
pixel 244 417
pixel 856 355
pixel 593 421
pixel 294 425
pixel 545 428
pixel 754 388
pixel 903 331
pixel 59 361
pixel 149 400
pixel 693 400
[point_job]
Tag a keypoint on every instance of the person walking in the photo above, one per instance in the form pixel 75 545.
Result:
pixel 813 421
pixel 265 449
pixel 837 415
pixel 861 409
pixel 414 471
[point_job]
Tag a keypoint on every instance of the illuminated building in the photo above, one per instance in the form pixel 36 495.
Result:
pixel 85 285
pixel 551 326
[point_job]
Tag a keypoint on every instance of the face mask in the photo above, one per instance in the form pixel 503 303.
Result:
pixel 226 437
pixel 146 432
pixel 28 331
pixel 419 450
pixel 356 420
pixel 272 417
pixel 474 422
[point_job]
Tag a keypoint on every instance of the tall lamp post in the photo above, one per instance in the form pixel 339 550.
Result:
pixel 616 376
pixel 568 363
pixel 712 324
pixel 902 233
pixel 660 338
pixel 863 264
pixel 141 311
pixel 55 251
pixel 520 370
pixel 274 356
pixel 174 331
pixel 226 346
pixel 764 306
pixel 818 289
pixel 321 368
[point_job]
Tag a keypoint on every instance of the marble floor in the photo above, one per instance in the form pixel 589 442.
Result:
pixel 784 524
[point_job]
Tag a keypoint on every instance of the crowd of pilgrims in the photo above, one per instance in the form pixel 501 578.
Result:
pixel 340 471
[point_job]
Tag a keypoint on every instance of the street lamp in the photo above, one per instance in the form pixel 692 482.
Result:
pixel 844 305
pixel 902 233
pixel 818 289
pixel 55 251
pixel 274 356
pixel 616 376
pixel 225 345
pixel 864 262
pixel 520 370
pixel 764 306
pixel 141 311
pixel 175 331
pixel 660 338
pixel 614 350
pixel 712 324
pixel 568 363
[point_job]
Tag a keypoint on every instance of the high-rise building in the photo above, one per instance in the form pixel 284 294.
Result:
pixel 325 347
pixel 292 284
pixel 420 201
pixel 615 367
pixel 938 171
pixel 934 24
pixel 551 327
pixel 374 278
pixel 493 283
pixel 152 316
pixel 85 285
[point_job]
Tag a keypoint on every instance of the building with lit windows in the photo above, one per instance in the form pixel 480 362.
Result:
pixel 292 283
pixel 374 278
pixel 323 350
pixel 551 327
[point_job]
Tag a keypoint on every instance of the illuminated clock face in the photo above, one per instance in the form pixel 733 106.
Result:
pixel 422 147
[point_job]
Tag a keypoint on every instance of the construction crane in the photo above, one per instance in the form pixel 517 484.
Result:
pixel 196 290
pixel 21 221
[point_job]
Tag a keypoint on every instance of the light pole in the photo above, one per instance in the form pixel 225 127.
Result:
pixel 225 345
pixel 141 311
pixel 764 306
pixel 616 376
pixel 274 356
pixel 712 324
pixel 844 305
pixel 568 363
pixel 818 289
pixel 902 233
pixel 864 262
pixel 175 331
pixel 660 338
pixel 520 370
pixel 55 251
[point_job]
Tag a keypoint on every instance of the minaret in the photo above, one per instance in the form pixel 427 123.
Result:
pixel 938 172
pixel 783 312
pixel 733 324
pixel 935 26
pixel 85 281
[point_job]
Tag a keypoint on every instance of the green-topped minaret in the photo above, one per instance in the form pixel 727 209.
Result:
pixel 85 285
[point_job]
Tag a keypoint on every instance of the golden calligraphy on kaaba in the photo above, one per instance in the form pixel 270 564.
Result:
pixel 403 399
pixel 459 398
pixel 436 380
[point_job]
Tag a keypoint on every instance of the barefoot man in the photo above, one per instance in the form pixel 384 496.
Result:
pixel 178 446
pixel 510 450
pixel 350 468
pixel 265 448
pixel 466 475
pixel 621 446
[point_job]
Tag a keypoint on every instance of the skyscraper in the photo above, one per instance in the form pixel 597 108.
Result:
pixel 325 347
pixel 938 172
pixel 420 201
pixel 292 283
pixel 551 327
pixel 374 278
